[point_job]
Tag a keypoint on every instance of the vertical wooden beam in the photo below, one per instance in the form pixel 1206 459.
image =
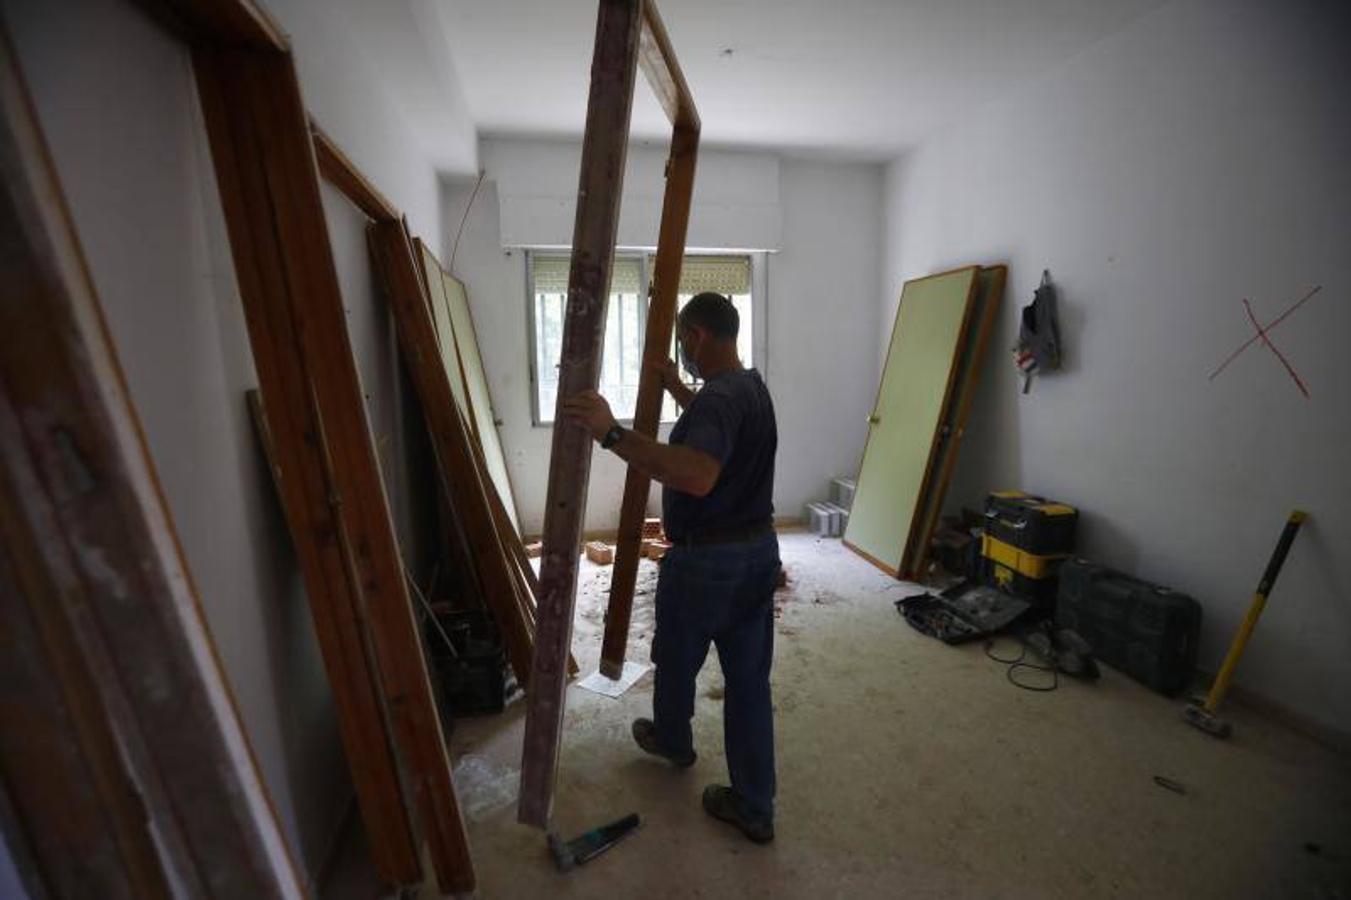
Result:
pixel 113 705
pixel 332 495
pixel 675 217
pixel 659 64
pixel 604 144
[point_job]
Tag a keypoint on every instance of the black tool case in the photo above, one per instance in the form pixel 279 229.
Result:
pixel 1032 524
pixel 470 674
pixel 1145 630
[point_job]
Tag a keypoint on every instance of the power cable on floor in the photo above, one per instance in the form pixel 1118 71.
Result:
pixel 1018 662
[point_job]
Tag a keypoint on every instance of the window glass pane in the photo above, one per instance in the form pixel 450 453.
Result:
pixel 621 365
pixel 623 350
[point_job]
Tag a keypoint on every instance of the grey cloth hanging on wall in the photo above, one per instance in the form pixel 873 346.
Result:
pixel 1038 347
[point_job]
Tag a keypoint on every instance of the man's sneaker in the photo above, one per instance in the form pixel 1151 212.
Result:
pixel 645 733
pixel 723 804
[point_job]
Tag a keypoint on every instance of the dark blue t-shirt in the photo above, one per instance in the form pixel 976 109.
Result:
pixel 732 420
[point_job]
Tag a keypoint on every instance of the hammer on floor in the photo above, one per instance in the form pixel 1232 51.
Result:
pixel 570 854
pixel 1205 714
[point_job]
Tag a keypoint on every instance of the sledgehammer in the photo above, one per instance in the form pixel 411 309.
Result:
pixel 1203 714
pixel 570 854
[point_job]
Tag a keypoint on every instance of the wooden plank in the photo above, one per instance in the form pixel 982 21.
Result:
pixel 232 86
pixel 604 144
pixel 113 705
pixel 465 487
pixel 675 216
pixel 989 295
pixel 922 362
pixel 659 64
pixel 338 170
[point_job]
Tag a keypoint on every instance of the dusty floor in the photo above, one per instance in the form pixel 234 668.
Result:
pixel 910 768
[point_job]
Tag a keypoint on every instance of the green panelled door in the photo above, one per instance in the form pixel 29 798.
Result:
pixel 476 384
pixel 910 402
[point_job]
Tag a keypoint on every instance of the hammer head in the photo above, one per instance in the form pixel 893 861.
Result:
pixel 563 857
pixel 1200 717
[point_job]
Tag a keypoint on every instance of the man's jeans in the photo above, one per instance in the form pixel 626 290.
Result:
pixel 724 594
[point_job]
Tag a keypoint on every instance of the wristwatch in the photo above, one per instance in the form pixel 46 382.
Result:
pixel 612 437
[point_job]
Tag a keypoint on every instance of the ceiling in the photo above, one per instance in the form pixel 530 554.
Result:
pixel 862 79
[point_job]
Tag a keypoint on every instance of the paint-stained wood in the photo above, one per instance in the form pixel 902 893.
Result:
pixel 122 754
pixel 265 170
pixel 604 144
pixel 661 311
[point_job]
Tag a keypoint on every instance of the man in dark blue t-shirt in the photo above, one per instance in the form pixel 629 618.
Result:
pixel 717 581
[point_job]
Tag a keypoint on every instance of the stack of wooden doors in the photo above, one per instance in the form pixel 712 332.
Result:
pixel 933 364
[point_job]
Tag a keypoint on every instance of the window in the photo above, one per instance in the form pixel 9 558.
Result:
pixel 625 321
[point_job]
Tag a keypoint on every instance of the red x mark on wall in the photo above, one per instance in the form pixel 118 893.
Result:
pixel 1263 332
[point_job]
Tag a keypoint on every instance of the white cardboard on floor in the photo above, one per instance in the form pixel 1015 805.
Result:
pixel 600 684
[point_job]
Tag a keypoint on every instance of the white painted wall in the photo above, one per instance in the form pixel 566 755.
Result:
pixel 116 98
pixel 349 93
pixel 1196 158
pixel 822 325
pixel 819 299
pixel 736 202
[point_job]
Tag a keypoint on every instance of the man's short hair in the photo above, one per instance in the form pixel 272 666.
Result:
pixel 712 312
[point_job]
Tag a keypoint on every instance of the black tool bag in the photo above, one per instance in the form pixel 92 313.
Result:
pixel 1147 631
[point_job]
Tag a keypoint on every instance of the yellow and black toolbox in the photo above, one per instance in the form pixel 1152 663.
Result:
pixel 1026 539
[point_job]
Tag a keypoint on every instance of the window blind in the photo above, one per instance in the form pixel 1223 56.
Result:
pixel 551 274
pixel 719 274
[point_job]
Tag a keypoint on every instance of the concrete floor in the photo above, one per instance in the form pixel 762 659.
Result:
pixel 907 767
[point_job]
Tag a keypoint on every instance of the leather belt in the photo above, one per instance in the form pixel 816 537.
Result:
pixel 737 535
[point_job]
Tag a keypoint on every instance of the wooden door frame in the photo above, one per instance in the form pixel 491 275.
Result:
pixel 127 771
pixel 629 35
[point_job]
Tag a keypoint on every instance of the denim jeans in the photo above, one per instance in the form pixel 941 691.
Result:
pixel 721 594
